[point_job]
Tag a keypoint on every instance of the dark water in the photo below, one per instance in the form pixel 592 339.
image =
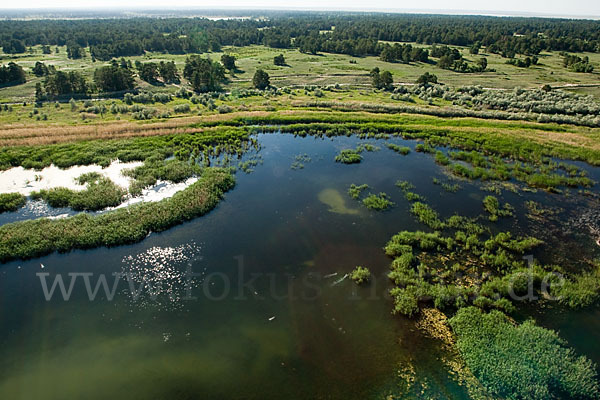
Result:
pixel 267 314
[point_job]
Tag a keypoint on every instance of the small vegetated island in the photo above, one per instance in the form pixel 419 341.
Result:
pixel 509 106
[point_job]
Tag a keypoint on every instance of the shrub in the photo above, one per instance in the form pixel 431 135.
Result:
pixel 224 109
pixel 182 108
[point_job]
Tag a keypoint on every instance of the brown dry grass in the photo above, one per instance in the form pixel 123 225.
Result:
pixel 34 135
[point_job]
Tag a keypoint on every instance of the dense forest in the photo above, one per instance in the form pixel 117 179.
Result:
pixel 344 33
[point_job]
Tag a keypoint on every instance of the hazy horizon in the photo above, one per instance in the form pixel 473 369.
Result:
pixel 540 8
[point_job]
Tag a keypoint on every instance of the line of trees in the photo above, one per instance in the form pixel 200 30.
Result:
pixel 353 34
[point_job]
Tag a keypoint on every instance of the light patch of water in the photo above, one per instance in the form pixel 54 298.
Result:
pixel 26 181
pixel 162 190
pixel 336 202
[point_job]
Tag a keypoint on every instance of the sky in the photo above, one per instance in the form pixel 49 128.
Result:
pixel 582 8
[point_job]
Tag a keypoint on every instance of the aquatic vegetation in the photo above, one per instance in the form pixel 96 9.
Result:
pixel 303 158
pixel 248 166
pixel 11 201
pixel 448 187
pixel 299 161
pixel 88 177
pixel 581 291
pixel 427 215
pixel 406 188
pixel 405 185
pixel 451 188
pixel 99 193
pixel 348 156
pixel 404 150
pixel 521 361
pixel 424 148
pixel 366 147
pixel 458 268
pixel 42 236
pixel 441 158
pixel 492 206
pixel 536 211
pixel 211 141
pixel 378 202
pixel 336 202
pixel 355 190
pixel 360 275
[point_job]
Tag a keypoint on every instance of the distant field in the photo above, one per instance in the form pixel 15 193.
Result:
pixel 325 69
